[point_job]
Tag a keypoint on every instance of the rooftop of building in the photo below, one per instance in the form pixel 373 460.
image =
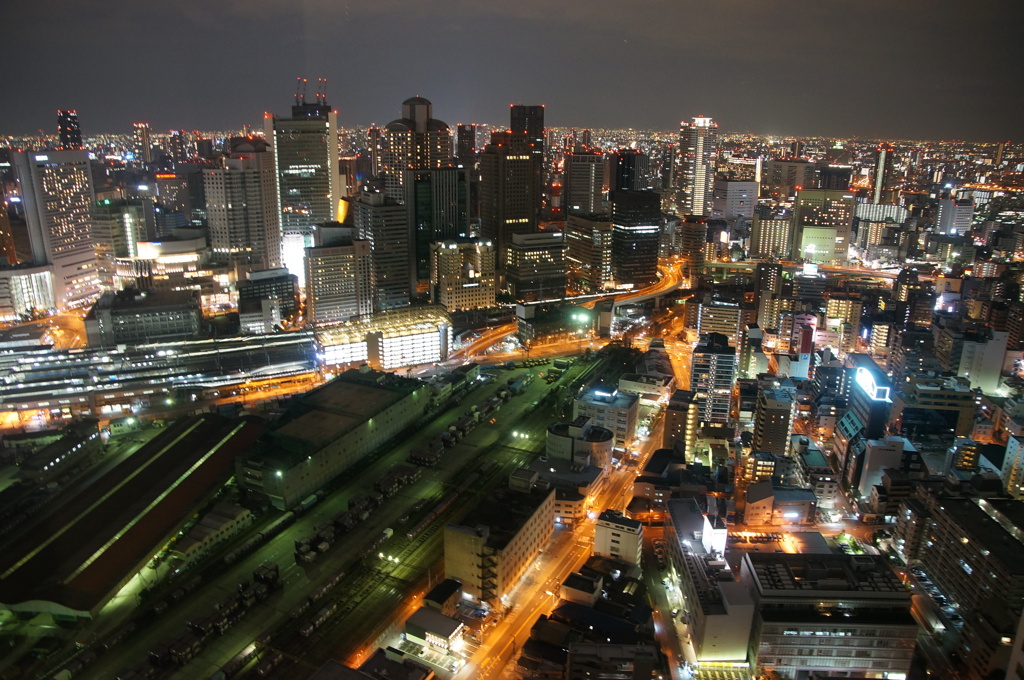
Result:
pixel 996 528
pixel 587 433
pixel 329 412
pixel 444 590
pixel 802 576
pixel 613 517
pixel 94 541
pixel 612 399
pixel 659 380
pixel 152 299
pixel 503 514
pixel 434 621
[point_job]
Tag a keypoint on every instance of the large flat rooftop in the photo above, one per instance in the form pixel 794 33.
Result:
pixel 75 557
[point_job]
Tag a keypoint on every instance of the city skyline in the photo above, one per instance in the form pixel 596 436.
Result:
pixel 753 66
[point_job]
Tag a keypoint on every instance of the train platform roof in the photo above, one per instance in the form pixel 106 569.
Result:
pixel 73 558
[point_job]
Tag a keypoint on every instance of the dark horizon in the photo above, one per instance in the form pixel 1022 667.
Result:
pixel 873 70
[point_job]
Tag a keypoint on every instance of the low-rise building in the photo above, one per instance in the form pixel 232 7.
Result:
pixel 813 471
pixel 581 441
pixel 618 536
pixel 496 542
pixel 828 615
pixel 328 430
pixel 134 317
pixel 612 410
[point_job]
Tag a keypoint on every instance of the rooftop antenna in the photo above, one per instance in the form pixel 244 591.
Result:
pixel 304 82
pixel 298 86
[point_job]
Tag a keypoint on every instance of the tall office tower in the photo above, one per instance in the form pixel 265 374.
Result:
pixel 823 225
pixel 462 275
pixel 384 223
pixel 142 147
pixel 692 237
pixel 797 148
pixel 836 177
pixel 68 130
pixel 636 222
pixel 733 198
pixel 416 141
pixel 589 241
pixel 339 277
pixel 767 279
pixel 783 178
pixel 305 149
pixel 8 254
pixel 583 191
pixel 509 192
pixel 771 237
pixel 954 216
pixel 241 206
pixel 682 423
pixel 527 122
pixel 437 202
pixel 118 225
pixel 465 145
pixel 536 266
pixel 884 181
pixel 630 170
pixel 57 193
pixel 177 146
pixel 773 421
pixel 698 147
pixel 711 377
pixel 375 145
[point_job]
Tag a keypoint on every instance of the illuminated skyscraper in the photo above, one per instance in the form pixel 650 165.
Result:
pixel 339 277
pixel 582 191
pixel 462 275
pixel 68 130
pixel 465 146
pixel 241 206
pixel 698 142
pixel 631 170
pixel 884 180
pixel 636 220
pixel 57 193
pixel 509 198
pixel 437 201
pixel 305 149
pixel 712 376
pixel 384 222
pixel 142 147
pixel 823 225
pixel 528 122
pixel 536 266
pixel 416 141
pixel 117 228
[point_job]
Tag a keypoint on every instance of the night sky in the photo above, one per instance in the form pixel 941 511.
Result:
pixel 901 69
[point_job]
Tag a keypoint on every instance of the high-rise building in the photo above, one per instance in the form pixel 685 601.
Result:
pixel 68 130
pixel 883 183
pixel 305 149
pixel 771 237
pixel 630 170
pixel 527 122
pixel 465 145
pixel 509 191
pixel 636 228
pixel 384 223
pixel 582 191
pixel 57 195
pixel 589 240
pixel 462 275
pixel 711 377
pixel 142 147
pixel 767 279
pixel 698 146
pixel 773 421
pixel 118 226
pixel 954 216
pixel 783 178
pixel 241 206
pixel 339 277
pixel 692 238
pixel 437 202
pixel 733 199
pixel 416 141
pixel 536 266
pixel 682 422
pixel 823 225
